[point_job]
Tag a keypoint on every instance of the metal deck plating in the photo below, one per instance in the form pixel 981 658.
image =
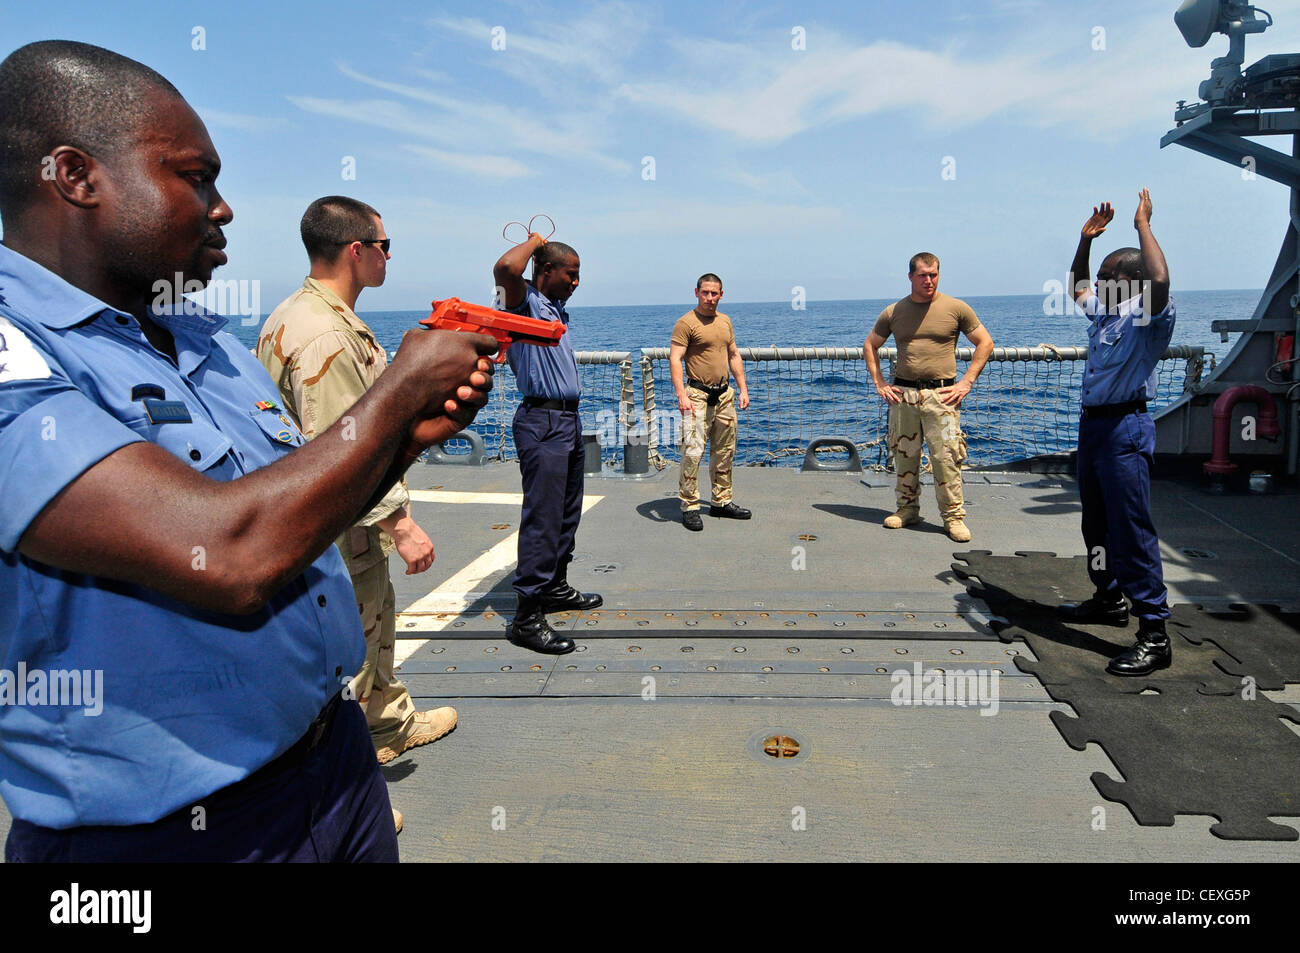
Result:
pixel 575 758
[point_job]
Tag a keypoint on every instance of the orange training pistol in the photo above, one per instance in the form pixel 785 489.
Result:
pixel 456 315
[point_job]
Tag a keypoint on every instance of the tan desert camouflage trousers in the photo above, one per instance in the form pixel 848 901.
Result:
pixel 923 417
pixel 718 425
pixel 382 697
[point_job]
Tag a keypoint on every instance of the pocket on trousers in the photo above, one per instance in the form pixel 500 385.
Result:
pixel 959 450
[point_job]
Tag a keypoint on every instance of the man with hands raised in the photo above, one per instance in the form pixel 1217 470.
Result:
pixel 548 437
pixel 1131 319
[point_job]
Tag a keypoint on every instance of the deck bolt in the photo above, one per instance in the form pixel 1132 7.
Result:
pixel 781 746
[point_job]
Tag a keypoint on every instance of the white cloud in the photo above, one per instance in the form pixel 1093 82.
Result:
pixel 1054 78
pixel 456 119
pixel 240 121
pixel 486 166
pixel 782 181
pixel 593 44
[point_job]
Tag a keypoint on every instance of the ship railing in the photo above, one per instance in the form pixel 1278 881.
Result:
pixel 611 406
pixel 1026 402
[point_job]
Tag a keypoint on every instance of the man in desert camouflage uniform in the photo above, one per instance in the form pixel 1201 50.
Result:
pixel 322 358
pixel 925 396
pixel 705 340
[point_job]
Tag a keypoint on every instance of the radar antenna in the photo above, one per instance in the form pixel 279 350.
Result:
pixel 1198 20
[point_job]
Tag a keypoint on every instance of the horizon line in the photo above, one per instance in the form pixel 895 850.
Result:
pixel 783 301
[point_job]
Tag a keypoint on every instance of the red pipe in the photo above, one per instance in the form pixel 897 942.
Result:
pixel 1268 426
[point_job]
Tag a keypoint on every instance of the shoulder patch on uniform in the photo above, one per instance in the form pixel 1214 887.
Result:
pixel 19 359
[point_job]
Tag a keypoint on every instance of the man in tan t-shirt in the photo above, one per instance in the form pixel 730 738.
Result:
pixel 705 339
pixel 925 396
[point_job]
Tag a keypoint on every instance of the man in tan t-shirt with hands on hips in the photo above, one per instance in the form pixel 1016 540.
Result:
pixel 925 396
pixel 705 339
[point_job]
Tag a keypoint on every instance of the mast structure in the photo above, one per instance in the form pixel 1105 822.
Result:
pixel 1236 105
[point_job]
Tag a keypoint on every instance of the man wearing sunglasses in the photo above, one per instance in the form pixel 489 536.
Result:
pixel 323 358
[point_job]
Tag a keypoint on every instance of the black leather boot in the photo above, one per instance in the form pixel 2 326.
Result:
pixel 1099 610
pixel 730 511
pixel 530 630
pixel 564 598
pixel 1151 653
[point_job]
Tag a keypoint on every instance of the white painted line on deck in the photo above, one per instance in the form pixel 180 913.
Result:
pixel 439 608
pixel 450 496
pixel 439 601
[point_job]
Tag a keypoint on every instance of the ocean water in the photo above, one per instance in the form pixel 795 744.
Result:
pixel 1013 320
pixel 1017 409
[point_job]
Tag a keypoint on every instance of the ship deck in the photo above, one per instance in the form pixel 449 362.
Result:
pixel 646 743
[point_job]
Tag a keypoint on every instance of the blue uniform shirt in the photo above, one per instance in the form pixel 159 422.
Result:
pixel 189 700
pixel 550 373
pixel 1123 350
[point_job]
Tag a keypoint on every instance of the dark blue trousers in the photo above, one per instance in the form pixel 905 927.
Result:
pixel 1115 459
pixel 329 805
pixel 549 443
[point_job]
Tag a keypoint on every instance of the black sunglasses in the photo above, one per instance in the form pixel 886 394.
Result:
pixel 383 243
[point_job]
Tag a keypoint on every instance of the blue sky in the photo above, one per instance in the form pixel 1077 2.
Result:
pixel 819 167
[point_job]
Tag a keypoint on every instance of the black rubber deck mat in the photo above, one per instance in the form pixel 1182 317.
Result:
pixel 1261 642
pixel 1190 739
pixel 1026 589
pixel 1187 753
